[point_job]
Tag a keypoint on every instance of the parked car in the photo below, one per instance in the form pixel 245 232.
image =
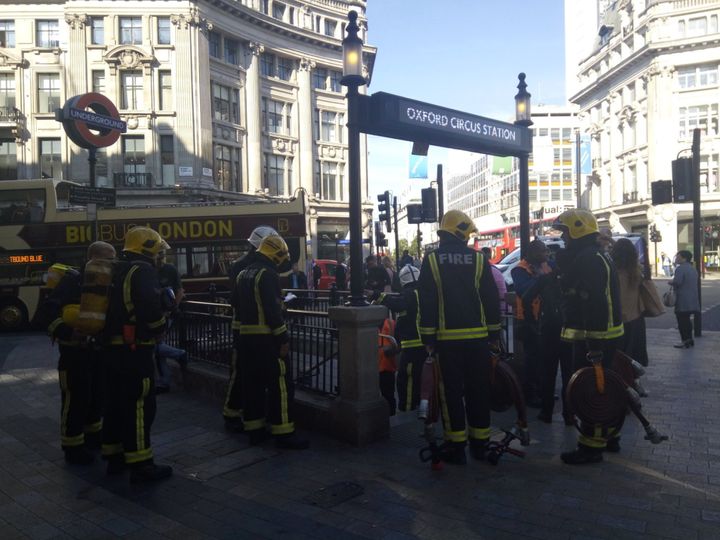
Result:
pixel 327 269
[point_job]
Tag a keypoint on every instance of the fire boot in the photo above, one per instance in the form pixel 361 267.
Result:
pixel 93 441
pixel 79 455
pixel 115 464
pixel 234 425
pixel 291 441
pixel 453 453
pixel 256 436
pixel 582 456
pixel 478 449
pixel 148 471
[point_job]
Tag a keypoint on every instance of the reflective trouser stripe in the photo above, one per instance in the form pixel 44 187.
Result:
pixel 449 435
pixel 482 434
pixel 65 439
pixel 111 449
pixel 141 455
pixel 227 411
pixel 410 343
pixel 285 426
pixel 251 425
pixel 455 436
pixel 408 394
pixel 599 437
pixel 94 427
pixel 142 452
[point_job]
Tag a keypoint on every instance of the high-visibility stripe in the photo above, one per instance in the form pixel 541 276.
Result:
pixel 111 449
pixel 118 340
pixel 455 436
pixel 227 411
pixel 579 334
pixel 252 425
pixel 145 454
pixel 478 275
pixel 156 324
pixel 95 427
pixel 417 314
pixel 279 330
pixel 284 413
pixel 53 325
pixel 408 394
pixel 462 333
pixel 493 327
pixel 127 293
pixel 427 330
pixel 236 325
pixel 411 343
pixel 66 403
pixel 481 434
pixel 443 402
pixel 140 415
pixel 440 296
pixel 282 429
pixel 596 440
pixel 255 329
pixel 77 440
pixel 258 301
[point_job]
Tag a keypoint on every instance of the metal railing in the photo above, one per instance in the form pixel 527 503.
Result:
pixel 123 179
pixel 630 197
pixel 10 114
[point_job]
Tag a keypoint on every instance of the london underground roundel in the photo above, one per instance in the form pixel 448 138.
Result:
pixel 91 120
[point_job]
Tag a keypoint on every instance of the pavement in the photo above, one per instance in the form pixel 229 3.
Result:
pixel 222 488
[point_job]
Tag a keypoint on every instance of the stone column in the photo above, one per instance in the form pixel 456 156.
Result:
pixel 305 124
pixel 254 124
pixel 360 415
pixel 76 83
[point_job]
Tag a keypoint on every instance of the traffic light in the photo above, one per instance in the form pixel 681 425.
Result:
pixel 661 192
pixel 384 209
pixel 429 205
pixel 415 213
pixel 419 237
pixel 380 240
pixel 682 180
pixel 655 235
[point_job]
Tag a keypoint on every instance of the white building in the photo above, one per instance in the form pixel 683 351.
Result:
pixel 222 96
pixel 649 78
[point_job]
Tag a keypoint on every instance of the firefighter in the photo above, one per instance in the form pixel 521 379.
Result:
pixel 592 321
pixel 459 315
pixel 407 334
pixel 233 407
pixel 135 321
pixel 264 340
pixel 79 365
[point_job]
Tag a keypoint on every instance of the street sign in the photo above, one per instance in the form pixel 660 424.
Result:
pixel 103 197
pixel 98 127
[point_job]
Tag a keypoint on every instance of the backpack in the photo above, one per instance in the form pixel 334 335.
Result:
pixel 95 296
pixel 55 274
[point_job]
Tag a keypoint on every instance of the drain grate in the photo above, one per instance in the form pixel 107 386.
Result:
pixel 334 494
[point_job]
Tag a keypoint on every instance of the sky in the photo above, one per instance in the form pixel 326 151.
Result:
pixel 462 54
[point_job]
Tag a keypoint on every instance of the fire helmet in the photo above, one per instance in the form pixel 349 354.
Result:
pixel 409 274
pixel 577 222
pixel 259 233
pixel 144 241
pixel 274 248
pixel 458 224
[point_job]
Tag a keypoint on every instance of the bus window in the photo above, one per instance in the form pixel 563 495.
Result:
pixel 22 206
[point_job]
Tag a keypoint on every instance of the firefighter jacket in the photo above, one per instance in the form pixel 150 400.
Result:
pixel 590 294
pixel 405 306
pixel 234 274
pixel 457 293
pixel 50 314
pixel 258 302
pixel 135 315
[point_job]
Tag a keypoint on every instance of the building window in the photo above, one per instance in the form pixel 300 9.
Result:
pixel 131 30
pixel 698 76
pixel 214 42
pixel 165 83
pixel 276 66
pixel 320 76
pixel 285 67
pixel 335 77
pixel 278 11
pixel 47 34
pixel 697 26
pixel 48 92
pixel 265 7
pixel 133 154
pixel 8 159
pixel 330 27
pixel 291 18
pixel 329 126
pixel 276 116
pixel 225 103
pixel 98 81
pixel 231 52
pixel 277 170
pixel 227 168
pixel 329 180
pixel 97 30
pixel 7 93
pixel 704 117
pixel 101 167
pixel 167 159
pixel 713 24
pixel 7 34
pixel 50 161
pixel 267 64
pixel 131 90
pixel 163 30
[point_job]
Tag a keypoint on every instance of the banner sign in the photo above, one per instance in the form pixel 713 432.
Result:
pixel 418 166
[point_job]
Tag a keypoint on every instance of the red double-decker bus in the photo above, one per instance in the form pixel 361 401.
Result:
pixel 504 240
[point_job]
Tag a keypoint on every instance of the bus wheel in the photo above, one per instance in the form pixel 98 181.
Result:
pixel 12 316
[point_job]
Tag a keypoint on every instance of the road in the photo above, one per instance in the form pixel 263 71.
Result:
pixel 710 301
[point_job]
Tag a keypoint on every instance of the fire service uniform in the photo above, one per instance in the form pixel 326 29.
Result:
pixel 233 407
pixel 135 319
pixel 592 320
pixel 263 337
pixel 459 311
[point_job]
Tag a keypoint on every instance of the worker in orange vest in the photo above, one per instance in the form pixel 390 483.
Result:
pixel 387 366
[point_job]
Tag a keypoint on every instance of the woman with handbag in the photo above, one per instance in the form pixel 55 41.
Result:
pixel 633 343
pixel 685 285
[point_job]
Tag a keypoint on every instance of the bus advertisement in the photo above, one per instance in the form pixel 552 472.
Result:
pixel 38 228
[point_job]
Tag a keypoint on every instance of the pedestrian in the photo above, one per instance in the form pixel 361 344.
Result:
pixel 687 302
pixel 173 294
pixel 526 274
pixel 135 321
pixel 406 259
pixel 459 314
pixel 79 366
pixel 389 268
pixel 233 406
pixel 377 279
pixel 341 272
pixel 264 340
pixel 592 320
pixel 666 264
pixel 317 275
pixel 630 277
pixel 296 279
pixel 387 365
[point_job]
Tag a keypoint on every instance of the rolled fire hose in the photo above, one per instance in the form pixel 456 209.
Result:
pixel 506 392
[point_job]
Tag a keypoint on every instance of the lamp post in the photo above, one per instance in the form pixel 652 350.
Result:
pixel 523 118
pixel 353 79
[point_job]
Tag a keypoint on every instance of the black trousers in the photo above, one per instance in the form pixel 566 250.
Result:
pixel 465 389
pixel 267 386
pixel 685 324
pixel 79 372
pixel 551 347
pixel 130 403
pixel 409 378
pixel 387 389
pixel 533 361
pixel 233 407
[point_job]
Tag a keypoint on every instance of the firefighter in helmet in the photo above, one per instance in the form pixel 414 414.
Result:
pixel 459 315
pixel 592 321
pixel 264 339
pixel 135 320
pixel 233 407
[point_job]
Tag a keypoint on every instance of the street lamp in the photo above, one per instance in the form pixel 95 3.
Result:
pixel 523 118
pixel 353 79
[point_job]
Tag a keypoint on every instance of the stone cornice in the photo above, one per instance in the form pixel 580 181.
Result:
pixel 129 57
pixel 77 21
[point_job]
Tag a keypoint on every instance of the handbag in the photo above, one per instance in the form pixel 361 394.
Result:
pixel 651 304
pixel 669 298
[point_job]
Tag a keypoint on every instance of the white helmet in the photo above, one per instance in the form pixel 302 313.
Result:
pixel 260 233
pixel 409 274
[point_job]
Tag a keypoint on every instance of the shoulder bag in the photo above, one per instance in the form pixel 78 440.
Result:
pixel 669 298
pixel 651 304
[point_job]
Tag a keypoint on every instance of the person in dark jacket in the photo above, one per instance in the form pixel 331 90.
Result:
pixel 592 319
pixel 341 272
pixel 264 340
pixel 135 321
pixel 685 283
pixel 79 365
pixel 459 315
pixel 406 259
pixel 377 279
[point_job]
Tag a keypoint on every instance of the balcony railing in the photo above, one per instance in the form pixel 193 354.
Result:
pixel 630 197
pixel 141 180
pixel 596 163
pixel 10 114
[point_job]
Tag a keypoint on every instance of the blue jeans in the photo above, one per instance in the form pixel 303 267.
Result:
pixel 163 351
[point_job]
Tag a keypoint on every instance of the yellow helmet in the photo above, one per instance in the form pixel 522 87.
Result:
pixel 458 224
pixel 275 249
pixel 578 223
pixel 144 241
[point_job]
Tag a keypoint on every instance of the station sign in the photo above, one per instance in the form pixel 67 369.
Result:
pixel 98 127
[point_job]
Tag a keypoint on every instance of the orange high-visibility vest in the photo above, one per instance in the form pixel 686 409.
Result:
pixel 386 362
